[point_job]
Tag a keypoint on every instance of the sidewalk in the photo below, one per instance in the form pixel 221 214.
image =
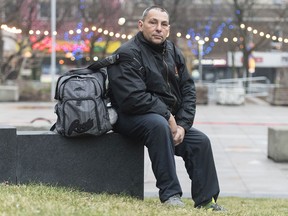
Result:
pixel 239 136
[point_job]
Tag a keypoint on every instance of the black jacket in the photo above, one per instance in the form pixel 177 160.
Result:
pixel 152 79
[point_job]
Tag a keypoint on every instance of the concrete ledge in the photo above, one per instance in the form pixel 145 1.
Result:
pixel 8 157
pixel 108 163
pixel 278 144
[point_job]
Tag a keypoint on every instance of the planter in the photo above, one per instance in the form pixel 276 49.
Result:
pixel 278 96
pixel 230 95
pixel 9 93
pixel 201 94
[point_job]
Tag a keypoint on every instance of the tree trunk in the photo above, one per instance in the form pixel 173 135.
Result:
pixel 1 54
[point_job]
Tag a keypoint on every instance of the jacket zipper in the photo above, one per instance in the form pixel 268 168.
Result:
pixel 166 67
pixel 167 78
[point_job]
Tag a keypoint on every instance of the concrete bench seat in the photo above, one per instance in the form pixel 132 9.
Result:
pixel 278 144
pixel 110 163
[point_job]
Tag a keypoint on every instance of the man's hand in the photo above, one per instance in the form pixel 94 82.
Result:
pixel 173 125
pixel 177 131
pixel 179 136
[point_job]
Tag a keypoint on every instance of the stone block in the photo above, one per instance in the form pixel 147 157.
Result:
pixel 8 158
pixel 9 93
pixel 278 144
pixel 108 163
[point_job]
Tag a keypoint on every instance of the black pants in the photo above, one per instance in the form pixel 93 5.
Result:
pixel 195 150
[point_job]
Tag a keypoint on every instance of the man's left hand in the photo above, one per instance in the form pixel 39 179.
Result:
pixel 179 136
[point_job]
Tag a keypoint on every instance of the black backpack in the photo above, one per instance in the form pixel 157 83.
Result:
pixel 82 106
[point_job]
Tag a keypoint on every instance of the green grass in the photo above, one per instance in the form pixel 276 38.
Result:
pixel 45 200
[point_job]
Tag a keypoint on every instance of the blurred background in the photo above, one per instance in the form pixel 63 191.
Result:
pixel 235 49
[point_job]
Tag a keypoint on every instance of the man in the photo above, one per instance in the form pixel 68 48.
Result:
pixel 155 100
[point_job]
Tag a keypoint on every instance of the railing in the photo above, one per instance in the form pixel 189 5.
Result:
pixel 253 86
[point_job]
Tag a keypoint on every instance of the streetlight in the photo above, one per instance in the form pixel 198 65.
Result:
pixel 121 21
pixel 53 48
pixel 200 54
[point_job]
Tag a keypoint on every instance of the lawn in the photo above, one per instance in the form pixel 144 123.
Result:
pixel 46 200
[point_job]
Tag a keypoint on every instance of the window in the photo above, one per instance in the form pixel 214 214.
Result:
pixel 10 8
pixel 45 9
pixel 63 7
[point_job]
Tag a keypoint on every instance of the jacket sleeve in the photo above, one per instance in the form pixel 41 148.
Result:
pixel 185 115
pixel 127 82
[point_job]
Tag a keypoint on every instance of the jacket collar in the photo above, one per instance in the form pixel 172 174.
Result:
pixel 161 48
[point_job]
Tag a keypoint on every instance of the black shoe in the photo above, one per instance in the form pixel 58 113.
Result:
pixel 212 206
pixel 175 201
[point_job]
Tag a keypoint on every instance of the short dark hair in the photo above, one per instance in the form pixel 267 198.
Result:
pixel 146 11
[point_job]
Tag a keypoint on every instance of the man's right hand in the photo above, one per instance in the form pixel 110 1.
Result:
pixel 173 125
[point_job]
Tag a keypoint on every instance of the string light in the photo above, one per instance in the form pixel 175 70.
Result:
pixel 190 36
pixel 11 29
pixel 117 35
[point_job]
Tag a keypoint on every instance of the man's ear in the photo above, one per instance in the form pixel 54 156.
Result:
pixel 140 25
pixel 168 31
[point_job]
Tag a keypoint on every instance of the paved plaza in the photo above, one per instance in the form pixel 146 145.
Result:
pixel 239 136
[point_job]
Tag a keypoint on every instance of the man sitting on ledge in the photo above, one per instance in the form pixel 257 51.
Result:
pixel 155 100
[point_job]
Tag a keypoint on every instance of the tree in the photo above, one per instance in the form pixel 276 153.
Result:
pixel 7 17
pixel 245 12
pixel 103 15
pixel 23 14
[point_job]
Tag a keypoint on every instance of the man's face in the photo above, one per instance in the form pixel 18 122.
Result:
pixel 155 27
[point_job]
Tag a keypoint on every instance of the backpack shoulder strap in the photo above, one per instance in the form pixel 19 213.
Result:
pixel 112 59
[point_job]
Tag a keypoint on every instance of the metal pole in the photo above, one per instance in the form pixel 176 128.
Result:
pixel 200 54
pixel 53 48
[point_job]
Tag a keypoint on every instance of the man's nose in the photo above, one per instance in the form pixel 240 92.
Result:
pixel 159 27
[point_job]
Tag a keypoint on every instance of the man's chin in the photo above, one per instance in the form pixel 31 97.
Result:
pixel 157 41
